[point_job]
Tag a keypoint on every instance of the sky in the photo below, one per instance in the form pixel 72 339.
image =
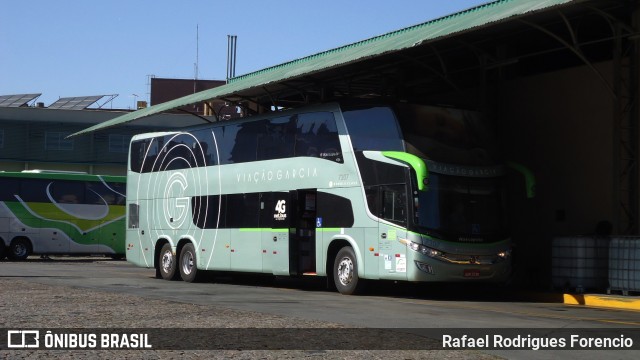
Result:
pixel 68 48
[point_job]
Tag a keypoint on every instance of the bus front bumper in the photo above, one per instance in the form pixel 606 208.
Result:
pixel 423 268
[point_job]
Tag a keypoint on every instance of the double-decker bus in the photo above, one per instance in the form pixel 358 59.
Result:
pixel 64 213
pixel 349 192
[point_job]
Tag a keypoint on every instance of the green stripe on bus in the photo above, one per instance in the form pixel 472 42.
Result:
pixel 263 229
pixel 415 162
pixel 284 229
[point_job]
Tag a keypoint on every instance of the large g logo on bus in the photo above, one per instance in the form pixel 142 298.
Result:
pixel 176 205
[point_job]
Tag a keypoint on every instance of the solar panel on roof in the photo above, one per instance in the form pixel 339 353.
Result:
pixel 75 103
pixel 17 100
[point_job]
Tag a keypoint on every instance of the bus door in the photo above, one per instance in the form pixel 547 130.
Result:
pixel 274 222
pixel 393 209
pixel 302 233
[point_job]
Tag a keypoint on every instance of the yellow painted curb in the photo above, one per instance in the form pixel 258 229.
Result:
pixel 616 302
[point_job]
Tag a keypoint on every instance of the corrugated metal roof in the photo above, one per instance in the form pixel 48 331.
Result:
pixel 458 23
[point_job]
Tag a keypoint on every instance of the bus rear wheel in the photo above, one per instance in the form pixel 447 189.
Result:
pixel 188 268
pixel 167 263
pixel 345 272
pixel 3 250
pixel 19 249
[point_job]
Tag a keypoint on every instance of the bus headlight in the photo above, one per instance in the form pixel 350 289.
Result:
pixel 421 248
pixel 504 255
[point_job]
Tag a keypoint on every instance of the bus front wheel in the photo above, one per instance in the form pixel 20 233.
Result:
pixel 345 272
pixel 19 249
pixel 167 263
pixel 188 268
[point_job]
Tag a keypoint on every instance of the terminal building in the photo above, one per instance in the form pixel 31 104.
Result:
pixel 33 136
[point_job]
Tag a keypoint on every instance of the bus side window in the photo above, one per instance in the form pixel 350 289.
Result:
pixel 277 142
pixel 95 194
pixel 242 210
pixel 317 136
pixel 9 188
pixel 373 199
pixel 245 148
pixel 138 150
pixel 33 190
pixel 394 203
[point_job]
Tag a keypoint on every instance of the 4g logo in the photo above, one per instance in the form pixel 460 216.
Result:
pixel 281 210
pixel 281 206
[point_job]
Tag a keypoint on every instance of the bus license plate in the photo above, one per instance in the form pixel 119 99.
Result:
pixel 472 273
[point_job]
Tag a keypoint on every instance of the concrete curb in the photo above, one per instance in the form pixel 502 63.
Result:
pixel 607 301
pixel 620 302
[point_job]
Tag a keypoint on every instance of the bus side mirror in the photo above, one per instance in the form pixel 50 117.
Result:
pixel 529 178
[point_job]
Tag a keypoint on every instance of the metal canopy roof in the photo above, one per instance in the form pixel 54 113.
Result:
pixel 445 55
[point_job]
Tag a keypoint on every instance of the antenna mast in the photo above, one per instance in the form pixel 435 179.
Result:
pixel 195 66
pixel 197 49
pixel 231 56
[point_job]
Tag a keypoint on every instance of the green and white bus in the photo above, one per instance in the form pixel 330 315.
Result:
pixel 349 192
pixel 64 213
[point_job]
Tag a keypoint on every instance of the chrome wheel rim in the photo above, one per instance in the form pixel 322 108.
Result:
pixel 19 249
pixel 345 271
pixel 187 263
pixel 167 261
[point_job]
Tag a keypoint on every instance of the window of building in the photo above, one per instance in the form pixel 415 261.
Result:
pixel 55 140
pixel 119 143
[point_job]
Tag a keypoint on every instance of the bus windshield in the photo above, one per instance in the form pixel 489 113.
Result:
pixel 463 209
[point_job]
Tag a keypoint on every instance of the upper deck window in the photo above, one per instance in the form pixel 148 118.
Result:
pixel 373 128
pixel 307 134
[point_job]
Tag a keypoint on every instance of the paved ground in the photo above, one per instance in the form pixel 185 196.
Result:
pixel 25 304
pixel 98 294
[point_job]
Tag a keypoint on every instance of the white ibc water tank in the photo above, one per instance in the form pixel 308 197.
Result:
pixel 624 264
pixel 580 263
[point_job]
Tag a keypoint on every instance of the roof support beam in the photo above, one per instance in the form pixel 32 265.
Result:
pixel 443 76
pixel 626 187
pixel 574 50
pixel 196 115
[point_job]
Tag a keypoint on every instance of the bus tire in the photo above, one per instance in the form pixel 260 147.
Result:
pixel 3 250
pixel 187 263
pixel 167 263
pixel 345 272
pixel 19 249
